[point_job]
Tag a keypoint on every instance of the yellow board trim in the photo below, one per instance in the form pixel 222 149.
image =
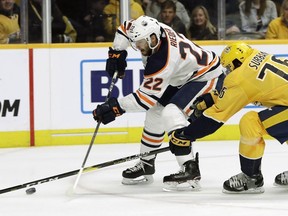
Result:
pixel 104 136
pixel 14 139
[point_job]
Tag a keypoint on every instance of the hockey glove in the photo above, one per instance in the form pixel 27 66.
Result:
pixel 202 103
pixel 108 111
pixel 116 61
pixel 179 143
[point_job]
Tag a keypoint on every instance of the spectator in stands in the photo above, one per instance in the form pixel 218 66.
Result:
pixel 144 4
pixel 201 27
pixel 190 4
pixel 62 29
pixel 278 28
pixel 168 16
pixel 232 14
pixel 256 15
pixel 153 9
pixel 74 9
pixel 278 4
pixel 93 21
pixel 9 22
pixel 112 12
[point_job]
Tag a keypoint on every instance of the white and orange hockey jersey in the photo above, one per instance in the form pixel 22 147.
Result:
pixel 175 62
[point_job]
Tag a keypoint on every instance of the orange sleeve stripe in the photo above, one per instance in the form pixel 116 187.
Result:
pixel 205 69
pixel 142 97
pixel 188 111
pixel 123 28
pixel 210 86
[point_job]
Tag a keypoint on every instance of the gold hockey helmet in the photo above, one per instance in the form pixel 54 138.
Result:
pixel 234 55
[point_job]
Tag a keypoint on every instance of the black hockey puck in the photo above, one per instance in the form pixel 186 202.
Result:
pixel 30 191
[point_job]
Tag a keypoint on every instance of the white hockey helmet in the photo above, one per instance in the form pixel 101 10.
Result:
pixel 143 28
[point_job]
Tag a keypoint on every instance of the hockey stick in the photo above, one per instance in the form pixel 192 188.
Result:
pixel 95 132
pixel 85 170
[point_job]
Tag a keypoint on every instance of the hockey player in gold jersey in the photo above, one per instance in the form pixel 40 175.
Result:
pixel 258 78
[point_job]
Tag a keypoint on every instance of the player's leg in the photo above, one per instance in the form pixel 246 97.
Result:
pixel 251 150
pixel 152 138
pixel 175 116
pixel 275 121
pixel 189 175
pixel 253 126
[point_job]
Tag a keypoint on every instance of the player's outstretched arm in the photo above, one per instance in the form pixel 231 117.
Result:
pixel 197 129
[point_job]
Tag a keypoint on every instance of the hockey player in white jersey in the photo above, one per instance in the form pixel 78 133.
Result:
pixel 177 71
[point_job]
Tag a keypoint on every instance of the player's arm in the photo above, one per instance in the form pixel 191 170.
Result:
pixel 108 111
pixel 180 139
pixel 201 127
pixel 155 85
pixel 117 54
pixel 229 102
pixel 145 97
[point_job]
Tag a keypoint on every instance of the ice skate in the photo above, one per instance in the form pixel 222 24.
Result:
pixel 141 173
pixel 281 180
pixel 242 183
pixel 186 179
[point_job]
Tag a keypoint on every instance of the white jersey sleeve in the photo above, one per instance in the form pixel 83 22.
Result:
pixel 121 40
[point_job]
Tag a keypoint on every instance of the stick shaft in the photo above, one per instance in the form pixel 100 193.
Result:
pixel 114 78
pixel 85 170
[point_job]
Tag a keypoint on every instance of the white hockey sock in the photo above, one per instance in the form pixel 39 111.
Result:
pixel 144 148
pixel 184 158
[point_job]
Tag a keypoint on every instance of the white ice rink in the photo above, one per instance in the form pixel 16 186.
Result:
pixel 101 193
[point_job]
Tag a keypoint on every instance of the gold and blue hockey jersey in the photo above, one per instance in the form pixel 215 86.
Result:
pixel 262 79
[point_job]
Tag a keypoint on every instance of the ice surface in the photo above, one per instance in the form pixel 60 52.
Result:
pixel 100 192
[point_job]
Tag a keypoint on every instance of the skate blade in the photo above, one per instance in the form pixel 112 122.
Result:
pixel 142 180
pixel 192 185
pixel 280 186
pixel 258 190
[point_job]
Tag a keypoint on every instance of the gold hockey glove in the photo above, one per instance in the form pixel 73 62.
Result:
pixel 203 102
